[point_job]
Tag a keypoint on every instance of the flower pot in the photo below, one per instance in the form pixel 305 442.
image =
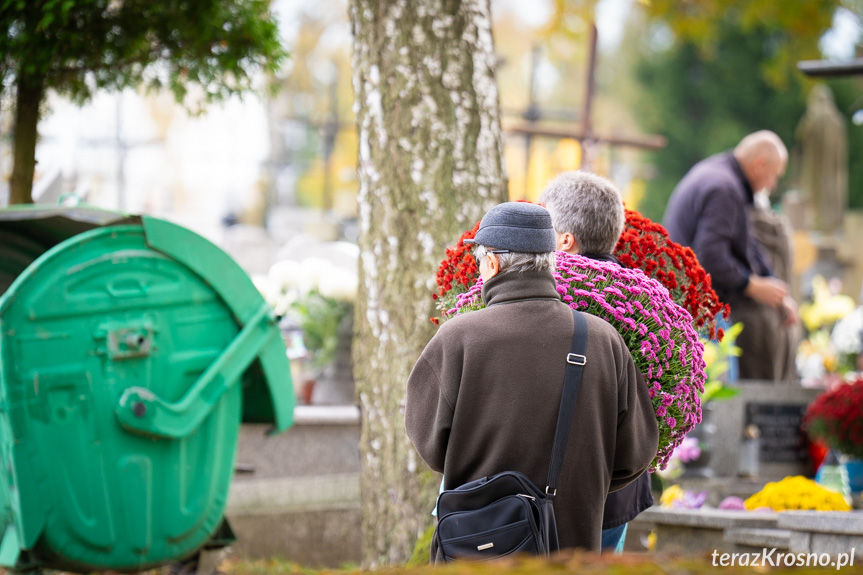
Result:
pixel 306 390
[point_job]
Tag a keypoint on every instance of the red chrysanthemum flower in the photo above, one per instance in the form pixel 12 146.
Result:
pixel 644 244
pixel 836 418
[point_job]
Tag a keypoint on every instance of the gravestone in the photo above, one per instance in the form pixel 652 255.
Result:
pixel 701 532
pixel 776 409
pixel 781 438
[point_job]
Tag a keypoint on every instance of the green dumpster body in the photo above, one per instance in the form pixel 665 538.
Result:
pixel 130 351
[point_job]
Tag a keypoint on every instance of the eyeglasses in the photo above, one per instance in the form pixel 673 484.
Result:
pixel 489 252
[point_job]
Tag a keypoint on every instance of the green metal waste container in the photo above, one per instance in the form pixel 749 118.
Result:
pixel 130 351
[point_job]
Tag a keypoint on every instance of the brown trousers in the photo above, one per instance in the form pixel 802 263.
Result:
pixel 767 347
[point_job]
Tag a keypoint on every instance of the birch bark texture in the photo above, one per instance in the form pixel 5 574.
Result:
pixel 430 165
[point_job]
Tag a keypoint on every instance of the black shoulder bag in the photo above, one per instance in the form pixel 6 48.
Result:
pixel 506 513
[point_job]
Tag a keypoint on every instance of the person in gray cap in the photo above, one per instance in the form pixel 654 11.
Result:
pixel 484 394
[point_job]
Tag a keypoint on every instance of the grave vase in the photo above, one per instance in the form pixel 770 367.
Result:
pixel 704 432
pixel 854 467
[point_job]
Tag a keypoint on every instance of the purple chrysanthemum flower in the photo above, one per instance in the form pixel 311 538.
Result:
pixel 658 332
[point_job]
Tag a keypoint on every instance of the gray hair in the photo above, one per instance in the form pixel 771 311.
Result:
pixel 517 262
pixel 587 206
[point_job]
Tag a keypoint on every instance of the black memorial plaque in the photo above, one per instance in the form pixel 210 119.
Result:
pixel 782 439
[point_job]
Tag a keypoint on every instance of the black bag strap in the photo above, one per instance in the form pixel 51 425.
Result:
pixel 575 362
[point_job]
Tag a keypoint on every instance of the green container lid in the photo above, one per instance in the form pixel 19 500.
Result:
pixel 130 351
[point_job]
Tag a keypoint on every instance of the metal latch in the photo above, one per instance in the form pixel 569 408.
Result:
pixel 130 342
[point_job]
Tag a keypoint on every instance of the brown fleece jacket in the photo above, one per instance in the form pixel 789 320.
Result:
pixel 484 395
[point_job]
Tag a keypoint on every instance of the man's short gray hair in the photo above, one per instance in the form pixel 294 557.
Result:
pixel 587 206
pixel 517 262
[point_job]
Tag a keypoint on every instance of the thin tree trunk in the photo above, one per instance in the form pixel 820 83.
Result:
pixel 429 166
pixel 30 92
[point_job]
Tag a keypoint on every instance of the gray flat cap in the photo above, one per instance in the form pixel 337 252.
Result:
pixel 517 227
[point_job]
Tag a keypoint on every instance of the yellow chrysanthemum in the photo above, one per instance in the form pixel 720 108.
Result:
pixel 797 493
pixel 671 494
pixel 826 308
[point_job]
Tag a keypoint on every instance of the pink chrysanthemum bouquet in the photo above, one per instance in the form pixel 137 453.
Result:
pixel 657 331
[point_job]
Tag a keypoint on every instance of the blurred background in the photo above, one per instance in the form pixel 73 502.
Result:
pixel 635 90
pixel 273 162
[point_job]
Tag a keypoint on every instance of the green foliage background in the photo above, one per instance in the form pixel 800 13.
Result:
pixel 707 87
pixel 76 46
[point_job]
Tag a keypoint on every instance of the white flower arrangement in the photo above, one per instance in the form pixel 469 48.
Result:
pixel 316 294
pixel 834 322
pixel 846 335
pixel 290 281
pixel 269 290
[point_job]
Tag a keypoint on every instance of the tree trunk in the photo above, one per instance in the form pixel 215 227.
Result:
pixel 430 165
pixel 31 89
